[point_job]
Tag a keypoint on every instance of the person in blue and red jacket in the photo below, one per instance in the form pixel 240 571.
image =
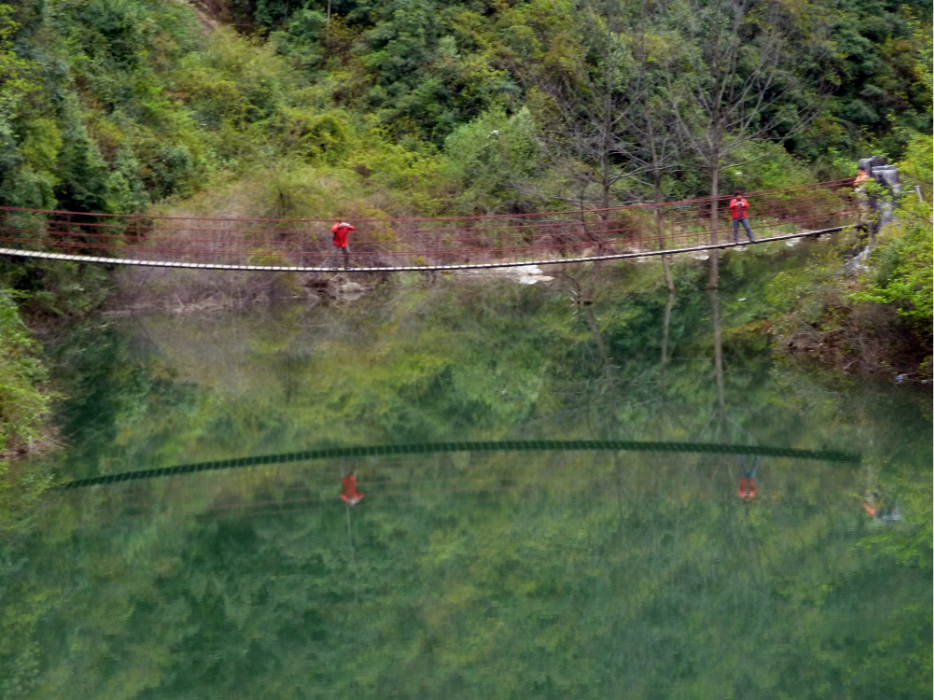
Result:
pixel 739 206
pixel 747 478
pixel 340 231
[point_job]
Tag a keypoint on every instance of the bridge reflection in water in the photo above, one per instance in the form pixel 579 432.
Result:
pixel 479 446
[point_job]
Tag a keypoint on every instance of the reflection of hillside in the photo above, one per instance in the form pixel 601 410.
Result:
pixel 575 567
pixel 446 363
pixel 491 557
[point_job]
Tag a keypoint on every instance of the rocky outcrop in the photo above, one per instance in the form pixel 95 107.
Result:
pixel 211 12
pixel 337 287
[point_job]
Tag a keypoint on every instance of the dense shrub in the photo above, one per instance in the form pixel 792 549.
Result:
pixel 904 260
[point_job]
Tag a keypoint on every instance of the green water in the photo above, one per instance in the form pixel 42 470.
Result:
pixel 532 573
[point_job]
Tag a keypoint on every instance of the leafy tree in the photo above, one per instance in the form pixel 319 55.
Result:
pixel 491 157
pixel 126 193
pixel 22 407
pixel 24 180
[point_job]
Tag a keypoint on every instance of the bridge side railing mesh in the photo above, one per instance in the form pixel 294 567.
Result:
pixel 635 228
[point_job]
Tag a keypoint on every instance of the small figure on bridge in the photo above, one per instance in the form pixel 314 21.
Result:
pixel 739 206
pixel 340 231
pixel 747 478
pixel 350 494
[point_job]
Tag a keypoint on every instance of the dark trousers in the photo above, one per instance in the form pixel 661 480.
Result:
pixel 745 222
pixel 748 466
pixel 335 260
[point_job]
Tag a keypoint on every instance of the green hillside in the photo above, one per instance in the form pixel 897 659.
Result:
pixel 400 107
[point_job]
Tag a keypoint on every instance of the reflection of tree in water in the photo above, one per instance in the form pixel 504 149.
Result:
pixel 441 364
pixel 718 361
pixel 619 377
pixel 110 389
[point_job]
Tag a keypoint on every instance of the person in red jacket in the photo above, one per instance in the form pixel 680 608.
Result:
pixel 350 494
pixel 340 231
pixel 739 206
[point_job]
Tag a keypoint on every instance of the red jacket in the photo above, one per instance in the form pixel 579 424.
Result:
pixel 340 233
pixel 739 204
pixel 349 484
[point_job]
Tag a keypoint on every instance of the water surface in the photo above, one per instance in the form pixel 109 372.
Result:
pixel 473 574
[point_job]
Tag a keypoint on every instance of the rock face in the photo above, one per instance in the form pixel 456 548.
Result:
pixel 857 264
pixel 523 274
pixel 211 12
pixel 881 203
pixel 340 286
pixel 337 287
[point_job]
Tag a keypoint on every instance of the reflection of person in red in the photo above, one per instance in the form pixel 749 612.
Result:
pixel 875 510
pixel 747 478
pixel 350 494
pixel 340 231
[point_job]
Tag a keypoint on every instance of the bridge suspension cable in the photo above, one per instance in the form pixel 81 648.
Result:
pixel 15 252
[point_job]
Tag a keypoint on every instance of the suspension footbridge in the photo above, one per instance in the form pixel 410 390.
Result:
pixel 425 243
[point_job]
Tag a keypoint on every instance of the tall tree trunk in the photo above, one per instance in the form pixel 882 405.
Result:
pixel 666 324
pixel 607 145
pixel 714 280
pixel 606 181
pixel 598 340
pixel 666 265
pixel 718 362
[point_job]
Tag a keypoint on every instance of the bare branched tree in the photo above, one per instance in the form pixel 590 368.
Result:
pixel 656 144
pixel 733 83
pixel 588 108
